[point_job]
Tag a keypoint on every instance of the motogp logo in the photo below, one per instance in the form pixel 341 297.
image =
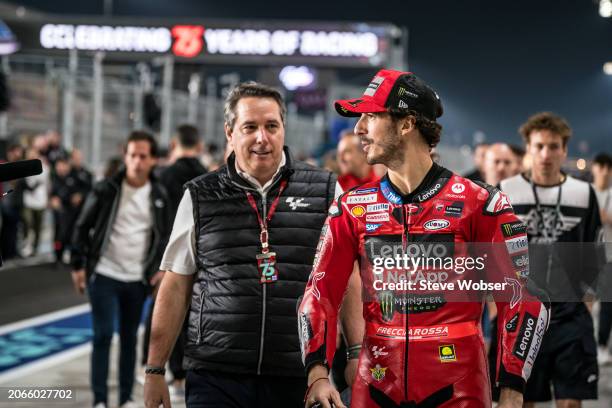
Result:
pixel 458 188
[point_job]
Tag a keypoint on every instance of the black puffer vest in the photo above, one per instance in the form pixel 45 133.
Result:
pixel 236 324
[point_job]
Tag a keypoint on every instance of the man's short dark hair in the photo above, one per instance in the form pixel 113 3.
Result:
pixel 141 135
pixel 250 89
pixel 603 159
pixel 188 136
pixel 546 121
pixel 518 151
pixel 429 129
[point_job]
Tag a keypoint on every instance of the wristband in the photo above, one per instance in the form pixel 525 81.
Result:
pixel 149 369
pixel 310 387
pixel 352 352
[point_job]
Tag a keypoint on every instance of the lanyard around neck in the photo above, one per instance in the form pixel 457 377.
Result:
pixel 263 223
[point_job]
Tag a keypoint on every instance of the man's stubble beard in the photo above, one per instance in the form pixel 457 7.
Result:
pixel 393 147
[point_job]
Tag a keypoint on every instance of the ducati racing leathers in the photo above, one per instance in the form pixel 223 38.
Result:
pixel 423 347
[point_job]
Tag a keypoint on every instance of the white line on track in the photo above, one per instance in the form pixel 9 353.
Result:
pixel 45 318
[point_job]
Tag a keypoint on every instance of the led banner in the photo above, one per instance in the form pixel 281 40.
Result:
pixel 344 44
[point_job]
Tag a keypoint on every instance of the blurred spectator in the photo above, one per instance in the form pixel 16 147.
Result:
pixel 479 155
pixel 113 166
pixel 558 208
pixel 330 163
pixel 67 195
pixel 352 164
pixel 499 164
pixel 116 248
pixel 602 173
pixel 187 147
pixel 12 206
pixel 35 200
pixel 54 149
pixel 519 157
pixel 83 176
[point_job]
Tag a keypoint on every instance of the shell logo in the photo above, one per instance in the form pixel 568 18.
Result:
pixel 358 211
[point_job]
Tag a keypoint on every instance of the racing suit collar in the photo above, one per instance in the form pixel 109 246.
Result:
pixel 432 183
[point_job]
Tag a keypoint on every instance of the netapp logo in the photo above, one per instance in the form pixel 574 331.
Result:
pixel 525 337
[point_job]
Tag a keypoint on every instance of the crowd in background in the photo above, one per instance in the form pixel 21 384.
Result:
pixel 60 191
pixel 51 200
pixel 65 181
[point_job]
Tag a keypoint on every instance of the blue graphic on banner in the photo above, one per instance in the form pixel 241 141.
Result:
pixel 33 343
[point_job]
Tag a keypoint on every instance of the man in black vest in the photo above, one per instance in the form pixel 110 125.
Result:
pixel 239 256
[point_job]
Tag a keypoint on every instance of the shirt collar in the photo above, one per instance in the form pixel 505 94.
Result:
pixel 254 182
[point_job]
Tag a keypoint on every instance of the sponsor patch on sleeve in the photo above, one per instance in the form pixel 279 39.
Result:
pixel 525 336
pixel 511 229
pixel 517 244
pixel 512 324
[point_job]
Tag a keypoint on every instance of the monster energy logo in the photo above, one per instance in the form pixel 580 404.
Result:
pixel 414 303
pixel 513 228
pixel 386 300
pixel 403 91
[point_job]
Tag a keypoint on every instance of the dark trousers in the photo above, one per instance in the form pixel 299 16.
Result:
pixel 211 389
pixel 34 221
pixel 111 299
pixel 64 223
pixel 605 323
pixel 605 313
pixel 11 218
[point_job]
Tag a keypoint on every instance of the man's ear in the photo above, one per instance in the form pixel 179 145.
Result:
pixel 408 124
pixel 228 134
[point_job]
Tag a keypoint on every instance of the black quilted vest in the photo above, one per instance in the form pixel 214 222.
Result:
pixel 236 324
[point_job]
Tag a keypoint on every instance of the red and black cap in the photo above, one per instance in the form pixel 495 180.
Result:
pixel 397 90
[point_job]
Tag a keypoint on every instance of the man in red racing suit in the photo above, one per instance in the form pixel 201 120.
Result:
pixel 422 347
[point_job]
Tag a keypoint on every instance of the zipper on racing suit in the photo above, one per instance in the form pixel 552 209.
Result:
pixel 405 235
pixel 407 210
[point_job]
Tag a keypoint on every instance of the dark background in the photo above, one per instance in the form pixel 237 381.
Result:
pixel 493 63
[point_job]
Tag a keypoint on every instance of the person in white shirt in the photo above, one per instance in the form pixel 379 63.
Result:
pixel 117 245
pixel 35 200
pixel 602 173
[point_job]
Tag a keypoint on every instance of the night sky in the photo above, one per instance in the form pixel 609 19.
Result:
pixel 493 63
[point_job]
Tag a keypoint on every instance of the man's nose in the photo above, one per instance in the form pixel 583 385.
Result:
pixel 360 128
pixel 261 135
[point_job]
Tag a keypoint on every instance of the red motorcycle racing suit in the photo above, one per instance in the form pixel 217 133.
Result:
pixel 423 346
